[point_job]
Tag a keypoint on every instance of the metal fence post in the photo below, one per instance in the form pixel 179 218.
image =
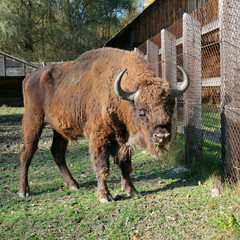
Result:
pixel 169 68
pixel 192 98
pixel 152 55
pixel 230 87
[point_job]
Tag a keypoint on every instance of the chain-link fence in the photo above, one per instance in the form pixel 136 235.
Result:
pixel 207 44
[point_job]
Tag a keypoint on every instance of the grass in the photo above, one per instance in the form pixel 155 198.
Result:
pixel 211 118
pixel 5 110
pixel 171 205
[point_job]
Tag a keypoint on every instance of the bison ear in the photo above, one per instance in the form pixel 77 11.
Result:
pixel 47 79
pixel 128 96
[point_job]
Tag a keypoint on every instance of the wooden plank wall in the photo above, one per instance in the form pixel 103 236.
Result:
pixel 12 68
pixel 161 14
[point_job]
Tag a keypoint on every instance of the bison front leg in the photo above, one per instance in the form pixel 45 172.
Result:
pixel 123 160
pixel 100 160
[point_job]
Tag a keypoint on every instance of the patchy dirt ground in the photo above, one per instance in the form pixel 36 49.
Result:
pixel 11 133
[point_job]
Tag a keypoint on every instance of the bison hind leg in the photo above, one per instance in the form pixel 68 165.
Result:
pixel 32 125
pixel 58 150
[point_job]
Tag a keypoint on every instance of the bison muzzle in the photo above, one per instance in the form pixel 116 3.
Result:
pixel 108 95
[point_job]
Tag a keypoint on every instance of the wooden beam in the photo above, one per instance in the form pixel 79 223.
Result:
pixel 211 82
pixel 169 68
pixel 152 55
pixel 230 87
pixel 169 58
pixel 192 98
pixel 137 50
pixel 18 59
pixel 210 27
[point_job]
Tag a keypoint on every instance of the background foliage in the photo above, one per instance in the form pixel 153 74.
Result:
pixel 56 30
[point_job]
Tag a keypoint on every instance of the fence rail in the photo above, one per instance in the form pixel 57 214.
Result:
pixel 11 66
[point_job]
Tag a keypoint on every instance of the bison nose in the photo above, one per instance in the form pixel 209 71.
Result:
pixel 161 136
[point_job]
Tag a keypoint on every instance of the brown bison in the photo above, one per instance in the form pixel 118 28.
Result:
pixel 94 97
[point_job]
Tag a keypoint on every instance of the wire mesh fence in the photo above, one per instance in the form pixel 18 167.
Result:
pixel 230 86
pixel 207 44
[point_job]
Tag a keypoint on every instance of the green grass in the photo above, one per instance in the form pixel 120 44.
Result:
pixel 171 206
pixel 211 118
pixel 5 110
pixel 211 121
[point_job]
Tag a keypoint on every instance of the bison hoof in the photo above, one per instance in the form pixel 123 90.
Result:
pixel 74 188
pixel 133 193
pixel 23 195
pixel 107 199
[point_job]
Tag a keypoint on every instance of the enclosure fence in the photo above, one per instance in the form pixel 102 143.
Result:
pixel 207 44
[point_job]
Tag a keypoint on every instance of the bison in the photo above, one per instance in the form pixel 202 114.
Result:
pixel 110 96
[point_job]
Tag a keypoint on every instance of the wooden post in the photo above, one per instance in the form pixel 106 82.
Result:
pixel 24 69
pixel 230 87
pixel 169 68
pixel 152 55
pixel 4 66
pixel 137 50
pixel 192 98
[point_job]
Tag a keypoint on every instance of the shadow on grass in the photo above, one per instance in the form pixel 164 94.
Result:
pixel 165 174
pixel 176 184
pixel 12 119
pixel 87 184
pixel 172 185
pixel 51 190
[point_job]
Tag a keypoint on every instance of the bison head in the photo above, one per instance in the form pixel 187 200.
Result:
pixel 152 105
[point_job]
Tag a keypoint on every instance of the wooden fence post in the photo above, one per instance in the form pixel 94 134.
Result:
pixel 137 50
pixel 152 55
pixel 192 99
pixel 2 65
pixel 229 11
pixel 169 68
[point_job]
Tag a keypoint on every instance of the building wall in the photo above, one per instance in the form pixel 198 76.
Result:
pixel 11 91
pixel 12 73
pixel 161 14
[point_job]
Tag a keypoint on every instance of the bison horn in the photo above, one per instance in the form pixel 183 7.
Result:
pixel 184 86
pixel 129 96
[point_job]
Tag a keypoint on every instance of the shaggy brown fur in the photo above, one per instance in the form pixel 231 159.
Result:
pixel 77 98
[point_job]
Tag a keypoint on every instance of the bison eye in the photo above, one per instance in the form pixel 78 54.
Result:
pixel 141 112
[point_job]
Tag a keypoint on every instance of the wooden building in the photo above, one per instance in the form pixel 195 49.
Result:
pixel 160 14
pixel 12 72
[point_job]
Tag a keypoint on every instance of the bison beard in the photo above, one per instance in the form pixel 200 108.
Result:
pixel 94 97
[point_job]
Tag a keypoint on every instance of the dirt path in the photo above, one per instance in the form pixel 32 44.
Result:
pixel 11 137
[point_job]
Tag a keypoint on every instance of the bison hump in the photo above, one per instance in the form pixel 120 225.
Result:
pixel 47 78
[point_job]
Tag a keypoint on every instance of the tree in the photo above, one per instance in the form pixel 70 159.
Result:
pixel 132 13
pixel 147 3
pixel 54 30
